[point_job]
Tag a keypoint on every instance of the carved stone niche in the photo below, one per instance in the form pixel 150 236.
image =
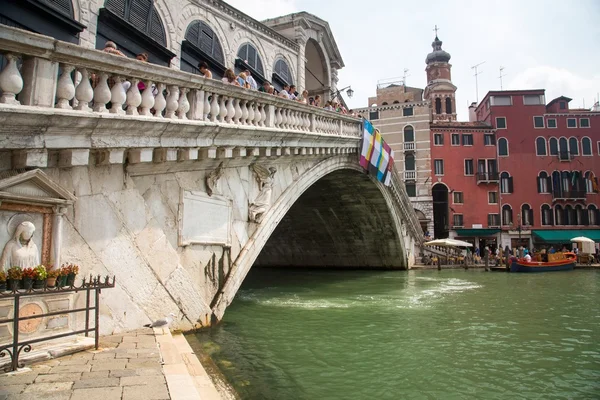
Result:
pixel 32 196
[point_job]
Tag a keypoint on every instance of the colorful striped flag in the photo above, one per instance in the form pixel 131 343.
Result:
pixel 376 156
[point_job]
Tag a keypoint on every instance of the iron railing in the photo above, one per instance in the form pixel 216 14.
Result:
pixel 558 194
pixel 487 177
pixel 95 284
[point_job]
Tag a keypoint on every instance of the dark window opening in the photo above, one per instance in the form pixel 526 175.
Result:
pixel 407 111
pixel 438 106
pixel 448 105
pixel 282 75
pixel 202 44
pixel 248 57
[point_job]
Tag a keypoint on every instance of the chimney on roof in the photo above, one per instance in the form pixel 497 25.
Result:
pixel 472 115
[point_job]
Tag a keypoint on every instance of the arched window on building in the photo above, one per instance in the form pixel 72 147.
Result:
pixel 282 75
pixel 544 182
pixel 569 215
pixel 547 218
pixel 409 162
pixel 563 147
pixel 135 27
pixel 384 103
pixel 248 58
pixel 586 146
pixel 448 105
pixel 553 144
pixel 593 215
pixel 556 185
pixel 540 146
pixel 589 185
pixel 506 183
pixel 409 134
pixel 506 215
pixel 526 215
pixel 396 102
pixel 580 215
pixel 502 147
pixel 565 182
pixel 559 215
pixel 202 44
pixel 438 105
pixel 573 146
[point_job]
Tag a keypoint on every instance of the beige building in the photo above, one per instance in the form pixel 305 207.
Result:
pixel 403 117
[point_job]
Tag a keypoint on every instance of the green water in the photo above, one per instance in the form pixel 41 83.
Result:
pixel 452 334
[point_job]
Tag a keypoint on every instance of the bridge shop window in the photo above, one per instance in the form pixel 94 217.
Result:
pixel 248 58
pixel 282 75
pixel 202 44
pixel 135 26
pixel 47 17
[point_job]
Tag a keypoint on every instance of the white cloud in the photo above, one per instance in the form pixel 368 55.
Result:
pixel 559 82
pixel 263 9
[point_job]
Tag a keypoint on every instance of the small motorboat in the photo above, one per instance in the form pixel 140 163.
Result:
pixel 556 262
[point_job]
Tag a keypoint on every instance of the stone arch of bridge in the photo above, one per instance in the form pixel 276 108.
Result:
pixel 368 219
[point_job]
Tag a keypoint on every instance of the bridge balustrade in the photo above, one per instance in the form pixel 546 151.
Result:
pixel 50 74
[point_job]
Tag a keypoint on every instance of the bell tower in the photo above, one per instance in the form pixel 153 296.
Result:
pixel 439 90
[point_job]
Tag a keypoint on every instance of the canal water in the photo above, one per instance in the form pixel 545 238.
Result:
pixel 452 334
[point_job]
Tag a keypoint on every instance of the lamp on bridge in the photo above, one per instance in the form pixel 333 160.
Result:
pixel 349 92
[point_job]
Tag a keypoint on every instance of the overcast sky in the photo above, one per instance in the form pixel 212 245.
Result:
pixel 552 45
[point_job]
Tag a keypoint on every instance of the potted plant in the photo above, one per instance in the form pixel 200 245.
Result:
pixel 70 270
pixel 29 275
pixel 2 281
pixel 52 276
pixel 40 277
pixel 14 276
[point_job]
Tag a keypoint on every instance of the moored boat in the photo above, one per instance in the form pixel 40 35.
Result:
pixel 556 262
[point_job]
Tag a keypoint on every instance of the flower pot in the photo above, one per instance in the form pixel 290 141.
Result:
pixel 61 281
pixel 71 279
pixel 39 283
pixel 12 284
pixel 26 283
pixel 51 282
pixel 3 286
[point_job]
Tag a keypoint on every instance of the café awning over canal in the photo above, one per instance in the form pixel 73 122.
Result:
pixel 562 236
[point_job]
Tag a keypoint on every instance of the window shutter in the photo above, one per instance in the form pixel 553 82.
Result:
pixel 510 184
pixel 549 179
pixel 63 6
pixel 157 31
pixel 116 6
pixel 585 217
pixel 539 186
pixel 530 217
pixel 139 13
pixel 551 217
pixel 192 34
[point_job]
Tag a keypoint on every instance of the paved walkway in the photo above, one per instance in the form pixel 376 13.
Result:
pixel 144 364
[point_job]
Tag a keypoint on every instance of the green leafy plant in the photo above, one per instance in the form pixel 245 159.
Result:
pixel 15 273
pixel 2 276
pixel 29 273
pixel 40 272
pixel 67 269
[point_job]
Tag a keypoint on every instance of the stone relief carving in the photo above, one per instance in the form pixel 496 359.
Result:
pixel 265 179
pixel 21 250
pixel 212 178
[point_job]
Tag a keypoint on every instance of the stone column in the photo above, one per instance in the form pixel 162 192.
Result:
pixel 301 39
pixel 58 215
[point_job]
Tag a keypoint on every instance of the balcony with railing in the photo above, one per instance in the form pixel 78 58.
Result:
pixel 52 89
pixel 410 175
pixel 487 177
pixel 409 146
pixel 558 194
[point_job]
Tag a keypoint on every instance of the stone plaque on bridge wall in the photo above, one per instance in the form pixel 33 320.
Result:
pixel 204 219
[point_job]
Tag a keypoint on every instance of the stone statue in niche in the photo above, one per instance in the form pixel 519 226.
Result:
pixel 21 251
pixel 212 178
pixel 265 179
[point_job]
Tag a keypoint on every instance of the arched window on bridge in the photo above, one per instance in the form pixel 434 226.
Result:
pixel 202 44
pixel 282 74
pixel 248 58
pixel 136 27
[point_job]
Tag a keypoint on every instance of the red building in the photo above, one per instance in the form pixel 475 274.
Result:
pixel 548 157
pixel 465 182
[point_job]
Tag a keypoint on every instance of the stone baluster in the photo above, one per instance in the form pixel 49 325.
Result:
pixel 65 89
pixel 307 122
pixel 117 97
pixel 264 115
pixel 11 82
pixel 250 113
pixel 238 111
pixel 172 101
pixel 278 117
pixel 147 99
pixel 222 108
pixel 134 98
pixel 183 105
pixel 244 105
pixel 84 92
pixel 230 111
pixel 257 115
pixel 206 105
pixel 102 93
pixel 296 120
pixel 214 108
pixel 159 101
